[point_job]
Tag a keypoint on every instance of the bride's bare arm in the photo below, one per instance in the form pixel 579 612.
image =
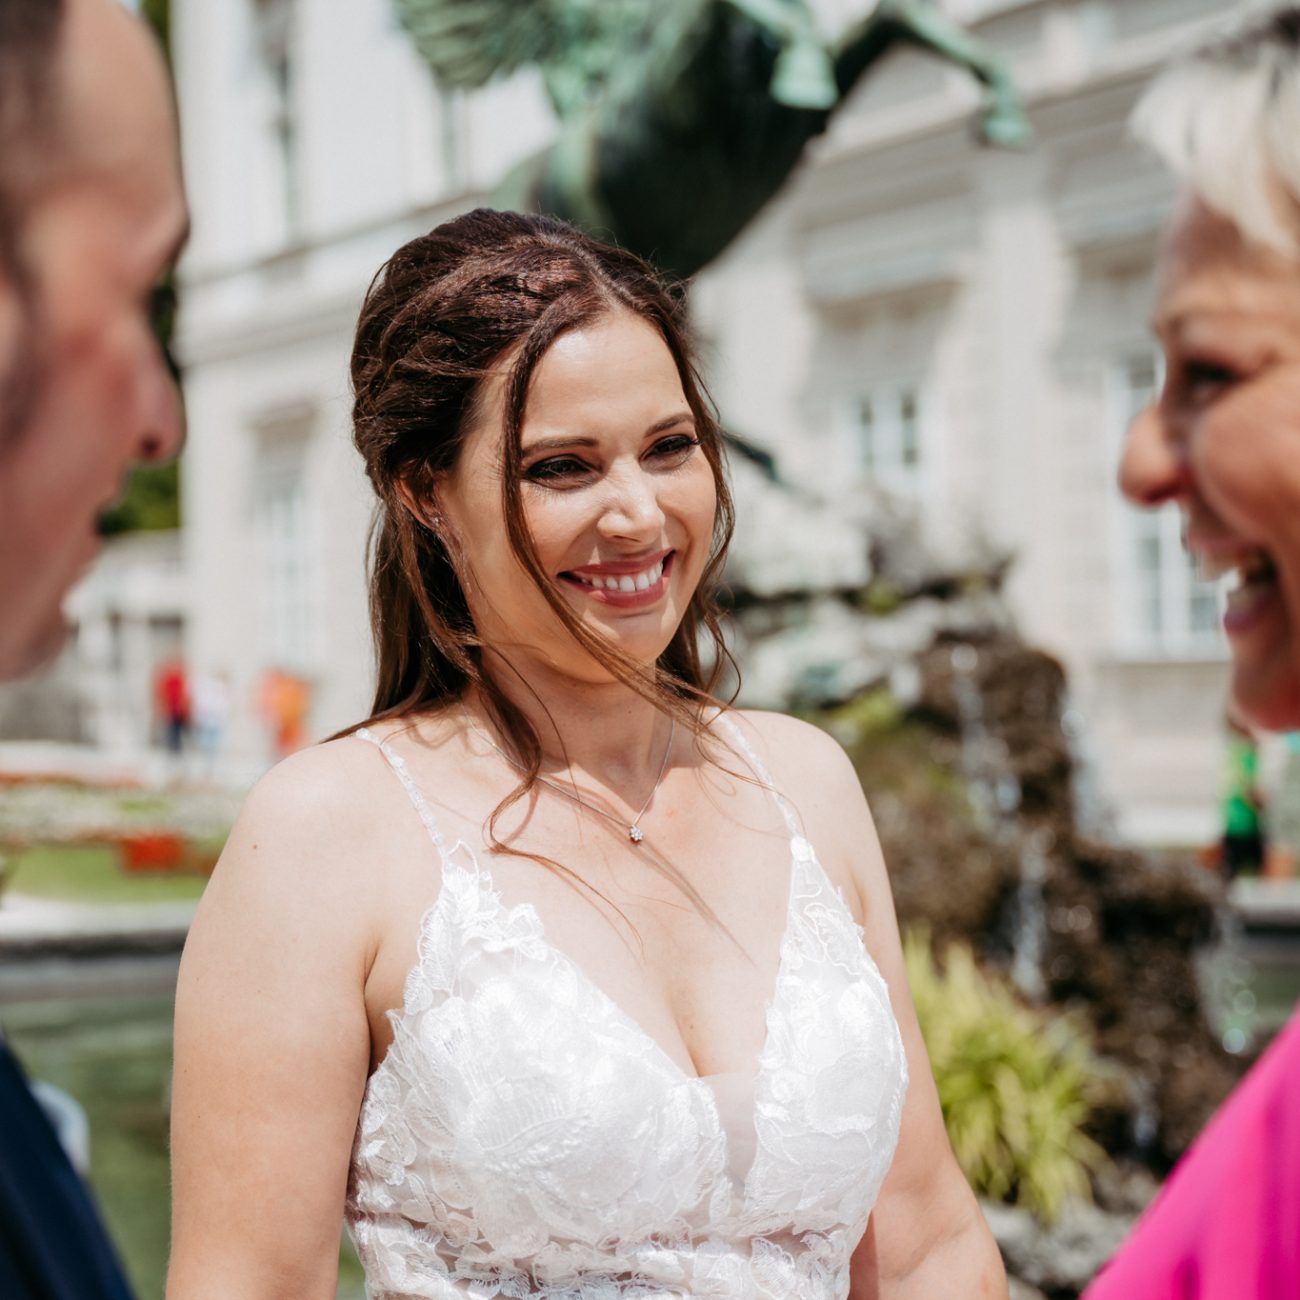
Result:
pixel 927 1236
pixel 272 1046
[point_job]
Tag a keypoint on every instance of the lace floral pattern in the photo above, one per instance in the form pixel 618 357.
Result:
pixel 524 1137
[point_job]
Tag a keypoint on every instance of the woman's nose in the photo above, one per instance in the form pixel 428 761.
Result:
pixel 632 508
pixel 1153 468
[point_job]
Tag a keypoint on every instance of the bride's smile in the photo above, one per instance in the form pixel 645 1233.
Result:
pixel 617 497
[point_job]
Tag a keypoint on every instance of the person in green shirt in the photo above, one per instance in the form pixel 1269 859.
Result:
pixel 1243 824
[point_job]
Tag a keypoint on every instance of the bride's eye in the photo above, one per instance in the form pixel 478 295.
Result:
pixel 675 448
pixel 556 469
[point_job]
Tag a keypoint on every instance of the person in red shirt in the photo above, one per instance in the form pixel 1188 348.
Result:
pixel 172 693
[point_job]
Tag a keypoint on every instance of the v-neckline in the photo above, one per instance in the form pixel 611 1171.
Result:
pixel 801 853
pixel 485 887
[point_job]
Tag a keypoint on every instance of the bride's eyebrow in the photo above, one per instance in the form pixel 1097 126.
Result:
pixel 670 421
pixel 557 444
pixel 565 442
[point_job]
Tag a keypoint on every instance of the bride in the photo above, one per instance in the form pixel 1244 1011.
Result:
pixel 558 977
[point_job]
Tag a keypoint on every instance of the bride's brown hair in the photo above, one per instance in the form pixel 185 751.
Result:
pixel 450 309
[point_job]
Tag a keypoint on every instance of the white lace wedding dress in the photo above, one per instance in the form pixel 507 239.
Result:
pixel 524 1137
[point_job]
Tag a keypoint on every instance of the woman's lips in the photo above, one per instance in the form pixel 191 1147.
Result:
pixel 622 586
pixel 1251 604
pixel 1255 596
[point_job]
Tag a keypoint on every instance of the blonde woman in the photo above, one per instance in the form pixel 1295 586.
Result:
pixel 1223 443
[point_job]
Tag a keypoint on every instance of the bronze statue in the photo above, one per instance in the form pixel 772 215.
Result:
pixel 680 119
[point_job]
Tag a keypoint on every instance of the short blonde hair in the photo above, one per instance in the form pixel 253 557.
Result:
pixel 1226 120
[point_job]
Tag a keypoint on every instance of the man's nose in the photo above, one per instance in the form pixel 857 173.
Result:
pixel 163 432
pixel 1154 466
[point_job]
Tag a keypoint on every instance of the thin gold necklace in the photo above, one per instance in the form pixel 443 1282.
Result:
pixel 634 831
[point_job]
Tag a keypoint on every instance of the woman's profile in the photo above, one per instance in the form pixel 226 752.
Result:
pixel 558 977
pixel 1222 443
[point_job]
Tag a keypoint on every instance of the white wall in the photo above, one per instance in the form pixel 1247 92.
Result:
pixel 1002 285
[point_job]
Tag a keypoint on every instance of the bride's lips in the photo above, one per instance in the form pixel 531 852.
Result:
pixel 624 584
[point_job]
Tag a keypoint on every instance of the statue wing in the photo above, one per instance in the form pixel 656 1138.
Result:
pixel 577 43
pixel 469 42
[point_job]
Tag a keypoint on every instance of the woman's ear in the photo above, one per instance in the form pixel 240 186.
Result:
pixel 421 505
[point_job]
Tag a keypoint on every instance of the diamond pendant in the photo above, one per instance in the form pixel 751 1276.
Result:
pixel 635 834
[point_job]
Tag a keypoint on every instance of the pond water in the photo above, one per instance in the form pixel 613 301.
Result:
pixel 1251 976
pixel 106 1039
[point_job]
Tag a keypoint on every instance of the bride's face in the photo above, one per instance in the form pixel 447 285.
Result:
pixel 617 496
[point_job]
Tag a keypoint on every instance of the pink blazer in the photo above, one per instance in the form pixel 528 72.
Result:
pixel 1226 1225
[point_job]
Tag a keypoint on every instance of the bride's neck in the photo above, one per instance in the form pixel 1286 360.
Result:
pixel 603 730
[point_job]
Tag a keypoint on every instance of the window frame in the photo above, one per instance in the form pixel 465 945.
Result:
pixel 1173 633
pixel 904 468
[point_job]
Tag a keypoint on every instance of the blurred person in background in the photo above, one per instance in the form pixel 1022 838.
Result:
pixel 1242 843
pixel 1222 441
pixel 211 713
pixel 284 702
pixel 171 693
pixel 91 215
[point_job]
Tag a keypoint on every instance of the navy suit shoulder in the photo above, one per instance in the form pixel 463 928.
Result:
pixel 52 1244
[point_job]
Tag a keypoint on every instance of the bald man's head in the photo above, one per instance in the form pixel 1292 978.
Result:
pixel 94 213
pixel 30 32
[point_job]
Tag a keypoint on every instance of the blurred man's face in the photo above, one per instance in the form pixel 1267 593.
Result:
pixel 95 239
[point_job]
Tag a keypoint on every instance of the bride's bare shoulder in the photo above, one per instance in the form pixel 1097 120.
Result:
pixel 325 785
pixel 315 821
pixel 794 751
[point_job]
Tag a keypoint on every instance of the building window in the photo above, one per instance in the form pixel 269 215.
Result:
pixel 455 130
pixel 1165 609
pixel 289 554
pixel 887 437
pixel 273 23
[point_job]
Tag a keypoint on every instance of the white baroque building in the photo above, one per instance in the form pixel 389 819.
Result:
pixel 965 326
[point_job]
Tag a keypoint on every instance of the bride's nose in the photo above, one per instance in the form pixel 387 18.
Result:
pixel 632 507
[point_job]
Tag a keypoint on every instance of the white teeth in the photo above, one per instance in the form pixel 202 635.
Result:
pixel 1209 568
pixel 1249 565
pixel 642 581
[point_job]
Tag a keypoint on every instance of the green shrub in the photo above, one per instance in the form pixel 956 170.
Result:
pixel 1014 1083
pixel 870 715
pixel 881 598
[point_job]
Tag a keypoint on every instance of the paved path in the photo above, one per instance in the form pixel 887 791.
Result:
pixel 32 926
pixel 1266 904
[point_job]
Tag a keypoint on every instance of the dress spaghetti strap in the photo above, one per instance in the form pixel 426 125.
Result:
pixel 418 801
pixel 746 750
